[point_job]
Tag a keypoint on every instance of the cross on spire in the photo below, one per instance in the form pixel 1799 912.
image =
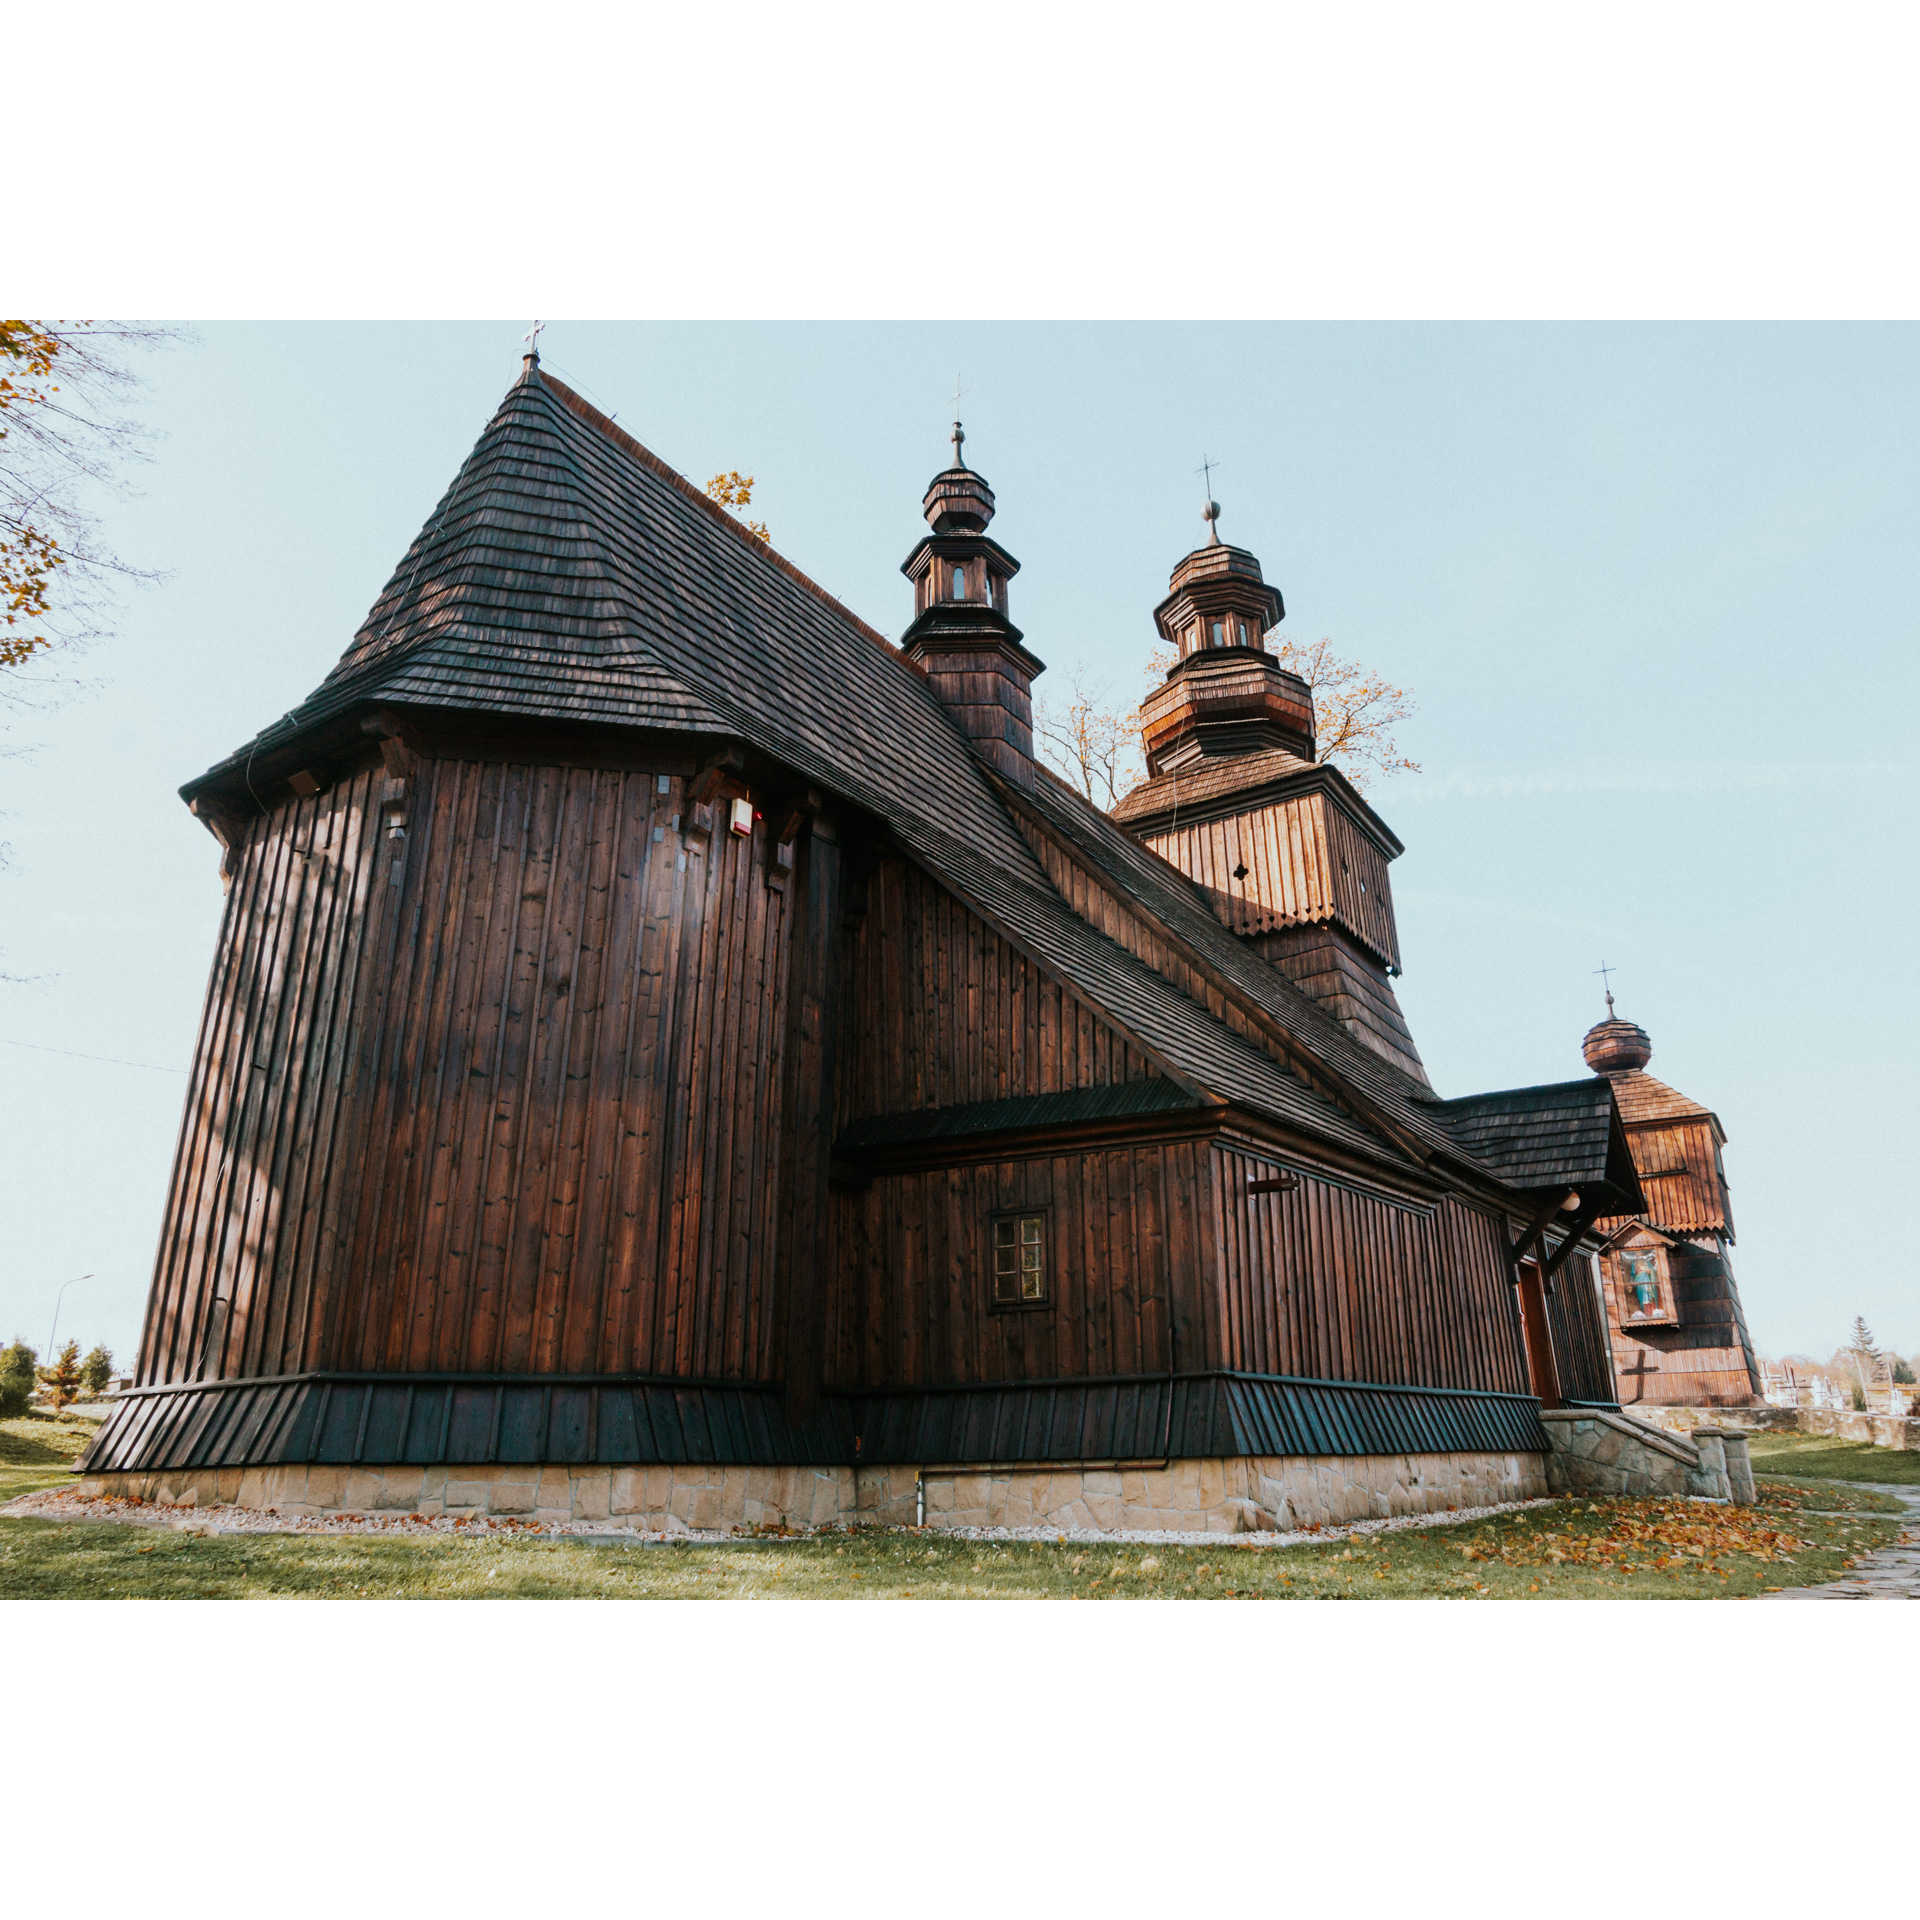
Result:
pixel 959 435
pixel 1210 513
pixel 1603 970
pixel 533 339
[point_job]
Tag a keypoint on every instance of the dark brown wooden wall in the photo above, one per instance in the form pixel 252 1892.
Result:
pixel 937 1010
pixel 1333 1282
pixel 517 1113
pixel 1125 1232
pixel 1577 1316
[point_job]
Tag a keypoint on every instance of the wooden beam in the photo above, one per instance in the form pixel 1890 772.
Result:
pixel 1576 1231
pixel 1528 1240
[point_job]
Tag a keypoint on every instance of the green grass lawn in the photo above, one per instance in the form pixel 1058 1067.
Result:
pixel 1570 1550
pixel 37 1449
pixel 1809 1455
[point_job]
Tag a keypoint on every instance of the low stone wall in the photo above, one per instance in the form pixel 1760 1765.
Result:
pixel 1189 1496
pixel 1875 1429
pixel 1623 1455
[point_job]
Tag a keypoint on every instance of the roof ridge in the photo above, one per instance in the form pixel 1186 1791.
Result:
pixel 586 411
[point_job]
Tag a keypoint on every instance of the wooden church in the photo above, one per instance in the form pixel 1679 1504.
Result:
pixel 1679 1333
pixel 674 1058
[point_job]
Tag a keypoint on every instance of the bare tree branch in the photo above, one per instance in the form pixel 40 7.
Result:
pixel 67 435
pixel 1090 740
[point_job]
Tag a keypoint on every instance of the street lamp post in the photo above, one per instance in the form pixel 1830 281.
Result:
pixel 57 1298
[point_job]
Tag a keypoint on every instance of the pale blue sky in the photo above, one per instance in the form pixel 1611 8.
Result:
pixel 1652 587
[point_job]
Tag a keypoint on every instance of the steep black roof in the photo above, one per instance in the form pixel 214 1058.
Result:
pixel 1565 1135
pixel 569 574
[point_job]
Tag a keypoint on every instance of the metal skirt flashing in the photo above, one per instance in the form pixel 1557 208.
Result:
pixel 341 1420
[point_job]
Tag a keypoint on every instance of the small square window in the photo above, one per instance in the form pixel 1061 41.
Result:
pixel 1020 1260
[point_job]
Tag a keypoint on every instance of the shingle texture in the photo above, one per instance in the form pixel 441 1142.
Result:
pixel 1535 1137
pixel 1642 1097
pixel 1203 781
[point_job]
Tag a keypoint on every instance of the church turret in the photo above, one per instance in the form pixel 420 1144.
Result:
pixel 1291 857
pixel 961 636
pixel 1226 695
pixel 1679 1331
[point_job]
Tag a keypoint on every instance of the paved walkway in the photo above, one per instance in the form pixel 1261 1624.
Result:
pixel 1893 1573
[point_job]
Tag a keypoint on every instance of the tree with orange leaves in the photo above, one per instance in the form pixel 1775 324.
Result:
pixel 1355 711
pixel 734 491
pixel 64 434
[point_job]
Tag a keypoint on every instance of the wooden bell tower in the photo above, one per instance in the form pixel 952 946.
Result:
pixel 1291 857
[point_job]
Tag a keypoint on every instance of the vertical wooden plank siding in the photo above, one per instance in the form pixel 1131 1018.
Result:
pixel 1332 1282
pixel 913 1262
pixel 1307 862
pixel 505 1093
pixel 937 1010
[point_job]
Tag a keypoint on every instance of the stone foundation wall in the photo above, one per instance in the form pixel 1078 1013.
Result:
pixel 1215 1496
pixel 1627 1457
pixel 1877 1429
pixel 1222 1496
pixel 657 1499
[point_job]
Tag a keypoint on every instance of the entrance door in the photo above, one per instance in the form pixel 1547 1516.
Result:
pixel 1533 1322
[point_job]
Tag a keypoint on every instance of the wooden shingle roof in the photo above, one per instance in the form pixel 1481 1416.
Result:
pixel 568 574
pixel 1537 1138
pixel 1642 1097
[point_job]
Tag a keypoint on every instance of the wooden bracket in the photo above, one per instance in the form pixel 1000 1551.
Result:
pixel 1517 1254
pixel 729 764
pixel 1278 1183
pixel 228 823
pixel 1576 1230
pixel 394 751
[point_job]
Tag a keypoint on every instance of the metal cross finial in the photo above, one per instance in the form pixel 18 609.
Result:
pixel 959 434
pixel 1607 985
pixel 1210 513
pixel 533 339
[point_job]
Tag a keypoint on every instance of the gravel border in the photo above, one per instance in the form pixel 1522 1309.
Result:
pixel 59 1503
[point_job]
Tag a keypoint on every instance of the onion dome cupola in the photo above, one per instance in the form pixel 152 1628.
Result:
pixel 1225 695
pixel 961 637
pixel 1615 1045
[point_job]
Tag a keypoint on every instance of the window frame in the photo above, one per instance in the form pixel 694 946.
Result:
pixel 1015 1215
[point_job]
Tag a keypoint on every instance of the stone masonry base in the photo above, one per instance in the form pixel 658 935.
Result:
pixel 1621 1455
pixel 1218 1496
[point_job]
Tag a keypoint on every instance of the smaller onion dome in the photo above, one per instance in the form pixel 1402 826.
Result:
pixel 1616 1046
